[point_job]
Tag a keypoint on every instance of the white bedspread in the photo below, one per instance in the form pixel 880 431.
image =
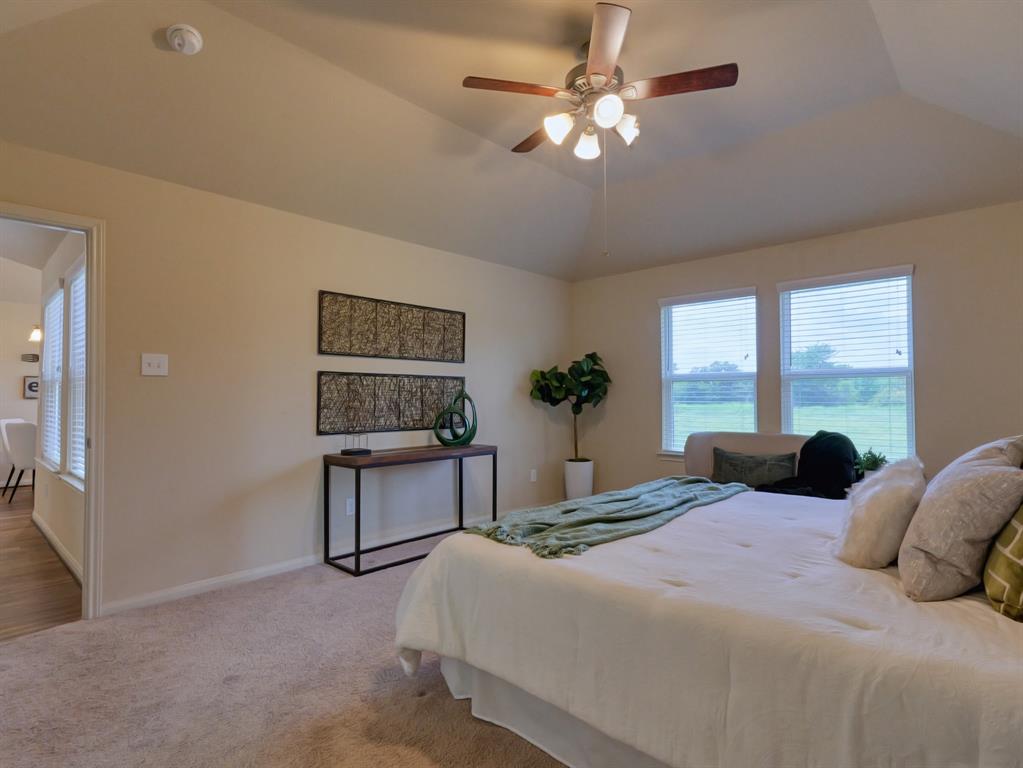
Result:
pixel 732 637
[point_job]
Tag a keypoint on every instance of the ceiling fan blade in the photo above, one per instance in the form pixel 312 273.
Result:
pixel 722 76
pixel 610 22
pixel 513 86
pixel 531 142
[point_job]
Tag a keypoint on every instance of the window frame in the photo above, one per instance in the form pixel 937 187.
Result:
pixel 787 375
pixel 62 467
pixel 668 378
pixel 77 268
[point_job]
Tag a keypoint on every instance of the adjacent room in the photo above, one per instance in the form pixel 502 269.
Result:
pixel 42 425
pixel 446 384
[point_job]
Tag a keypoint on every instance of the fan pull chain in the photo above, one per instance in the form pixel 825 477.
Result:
pixel 604 153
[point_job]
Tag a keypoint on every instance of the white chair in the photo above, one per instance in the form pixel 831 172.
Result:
pixel 21 448
pixel 5 460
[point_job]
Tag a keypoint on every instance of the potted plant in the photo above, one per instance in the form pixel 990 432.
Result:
pixel 870 462
pixel 584 382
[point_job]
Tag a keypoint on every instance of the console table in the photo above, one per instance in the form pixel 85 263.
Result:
pixel 392 458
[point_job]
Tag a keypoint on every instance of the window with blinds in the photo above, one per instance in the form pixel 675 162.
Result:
pixel 76 376
pixel 51 385
pixel 847 359
pixel 709 366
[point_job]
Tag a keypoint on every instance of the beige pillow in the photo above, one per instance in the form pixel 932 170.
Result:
pixel 966 505
pixel 880 509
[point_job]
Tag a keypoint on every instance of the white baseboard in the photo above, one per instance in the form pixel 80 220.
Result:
pixel 206 585
pixel 240 577
pixel 73 565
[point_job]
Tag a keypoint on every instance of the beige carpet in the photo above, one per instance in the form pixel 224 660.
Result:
pixel 295 670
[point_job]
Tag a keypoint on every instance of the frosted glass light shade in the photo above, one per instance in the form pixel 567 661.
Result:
pixel 36 335
pixel 558 127
pixel 628 128
pixel 588 146
pixel 608 110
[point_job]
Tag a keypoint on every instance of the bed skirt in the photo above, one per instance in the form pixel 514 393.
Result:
pixel 559 734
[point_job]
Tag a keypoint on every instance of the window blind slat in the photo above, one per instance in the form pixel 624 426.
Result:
pixel 51 392
pixel 76 377
pixel 709 367
pixel 847 362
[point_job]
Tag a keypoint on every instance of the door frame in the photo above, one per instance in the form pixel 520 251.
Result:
pixel 95 403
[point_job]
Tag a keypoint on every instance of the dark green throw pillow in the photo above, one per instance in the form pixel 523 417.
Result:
pixel 1003 574
pixel 732 467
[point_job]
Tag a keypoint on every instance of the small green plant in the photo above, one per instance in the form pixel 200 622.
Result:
pixel 584 382
pixel 871 460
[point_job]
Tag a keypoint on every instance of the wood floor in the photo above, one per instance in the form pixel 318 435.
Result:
pixel 37 590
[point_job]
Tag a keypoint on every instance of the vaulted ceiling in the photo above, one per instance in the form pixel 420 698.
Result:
pixel 847 114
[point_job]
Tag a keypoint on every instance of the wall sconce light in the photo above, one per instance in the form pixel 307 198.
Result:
pixel 36 335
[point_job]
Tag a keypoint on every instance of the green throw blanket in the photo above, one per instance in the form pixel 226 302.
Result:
pixel 571 527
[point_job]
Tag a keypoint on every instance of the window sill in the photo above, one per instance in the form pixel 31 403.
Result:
pixel 68 479
pixel 671 456
pixel 44 464
pixel 75 482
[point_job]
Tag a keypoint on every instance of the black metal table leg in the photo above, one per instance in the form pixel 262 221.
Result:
pixel 326 512
pixel 493 486
pixel 358 521
pixel 461 505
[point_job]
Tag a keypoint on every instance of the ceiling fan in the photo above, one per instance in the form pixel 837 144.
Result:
pixel 596 90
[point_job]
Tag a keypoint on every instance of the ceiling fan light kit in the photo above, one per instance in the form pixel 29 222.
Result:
pixel 608 110
pixel 558 126
pixel 588 146
pixel 597 89
pixel 628 129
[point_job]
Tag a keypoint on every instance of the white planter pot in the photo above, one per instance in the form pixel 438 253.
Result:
pixel 578 479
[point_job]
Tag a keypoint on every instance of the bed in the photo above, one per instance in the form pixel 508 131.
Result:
pixel 730 636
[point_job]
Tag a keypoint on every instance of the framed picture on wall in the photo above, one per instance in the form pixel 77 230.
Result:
pixel 30 387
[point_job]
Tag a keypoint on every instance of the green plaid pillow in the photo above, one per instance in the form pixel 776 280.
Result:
pixel 1003 574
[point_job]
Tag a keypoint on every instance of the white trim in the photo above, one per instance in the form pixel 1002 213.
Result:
pixel 676 456
pixel 95 410
pixel 207 585
pixel 47 465
pixel 863 276
pixel 72 480
pixel 695 298
pixel 62 552
pixel 240 577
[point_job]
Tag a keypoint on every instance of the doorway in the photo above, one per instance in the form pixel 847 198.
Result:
pixel 49 418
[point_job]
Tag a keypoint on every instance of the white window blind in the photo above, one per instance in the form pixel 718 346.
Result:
pixel 51 385
pixel 76 376
pixel 709 366
pixel 847 360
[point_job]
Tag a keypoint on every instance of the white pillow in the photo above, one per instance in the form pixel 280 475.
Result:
pixel 880 510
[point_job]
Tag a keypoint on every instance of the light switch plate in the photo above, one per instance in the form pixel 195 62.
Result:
pixel 154 364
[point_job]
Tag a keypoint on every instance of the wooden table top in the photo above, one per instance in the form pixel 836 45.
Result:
pixel 394 456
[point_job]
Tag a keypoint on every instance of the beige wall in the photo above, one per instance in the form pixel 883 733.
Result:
pixel 966 311
pixel 19 311
pixel 59 512
pixel 216 469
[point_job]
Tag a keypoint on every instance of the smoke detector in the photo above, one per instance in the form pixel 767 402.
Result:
pixel 185 39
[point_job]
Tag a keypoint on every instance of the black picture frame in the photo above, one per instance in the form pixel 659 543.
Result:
pixel 452 342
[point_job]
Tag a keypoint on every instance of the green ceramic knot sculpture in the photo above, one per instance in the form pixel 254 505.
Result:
pixel 457 409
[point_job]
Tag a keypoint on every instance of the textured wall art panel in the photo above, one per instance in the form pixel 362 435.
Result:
pixel 348 403
pixel 363 327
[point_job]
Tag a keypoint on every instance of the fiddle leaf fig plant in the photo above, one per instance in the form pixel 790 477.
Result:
pixel 584 382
